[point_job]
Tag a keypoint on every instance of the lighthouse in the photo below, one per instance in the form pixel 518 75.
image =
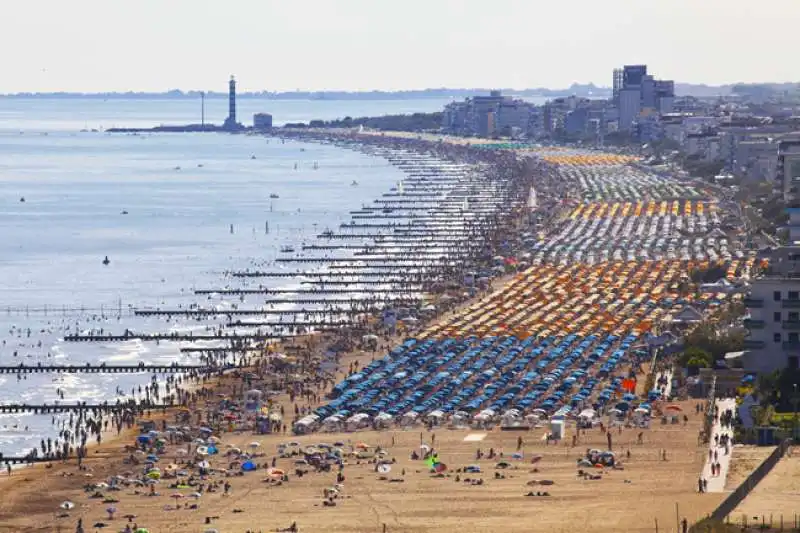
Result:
pixel 230 122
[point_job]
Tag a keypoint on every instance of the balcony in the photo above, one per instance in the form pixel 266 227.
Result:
pixel 793 346
pixel 753 345
pixel 790 304
pixel 750 323
pixel 791 325
pixel 754 302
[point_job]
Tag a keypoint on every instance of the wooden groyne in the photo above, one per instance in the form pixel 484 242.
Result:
pixel 170 337
pixel 239 292
pixel 215 349
pixel 44 409
pixel 232 312
pixel 319 325
pixel 300 274
pixel 102 369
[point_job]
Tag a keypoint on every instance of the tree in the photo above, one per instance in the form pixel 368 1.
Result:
pixel 694 357
pixel 709 338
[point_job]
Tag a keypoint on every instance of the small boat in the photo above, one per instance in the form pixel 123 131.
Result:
pixel 252 157
pixel 124 212
pixel 273 195
pixel 106 261
pixel 354 184
pixel 287 249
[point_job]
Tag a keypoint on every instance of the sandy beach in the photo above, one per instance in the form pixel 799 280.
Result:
pixel 212 465
pixel 408 498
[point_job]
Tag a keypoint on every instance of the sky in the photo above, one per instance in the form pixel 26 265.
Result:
pixel 284 45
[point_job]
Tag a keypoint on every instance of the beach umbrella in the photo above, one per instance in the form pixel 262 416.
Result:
pixel 111 510
pixel 195 495
pixel 673 407
pixel 248 466
pixel 142 530
pixel 67 505
pixel 384 468
pixel 99 525
pixel 254 444
pixel 176 495
pixel 152 458
pixel 204 464
pixel 440 468
pixel 202 450
pixel 362 446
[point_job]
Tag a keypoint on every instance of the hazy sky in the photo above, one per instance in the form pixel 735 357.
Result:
pixel 154 45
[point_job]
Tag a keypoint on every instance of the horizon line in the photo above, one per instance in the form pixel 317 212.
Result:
pixel 176 92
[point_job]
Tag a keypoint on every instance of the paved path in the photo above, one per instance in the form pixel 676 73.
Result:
pixel 717 483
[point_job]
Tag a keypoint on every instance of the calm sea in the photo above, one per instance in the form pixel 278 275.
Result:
pixel 172 212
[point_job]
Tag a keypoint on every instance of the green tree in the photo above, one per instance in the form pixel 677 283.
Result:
pixel 696 358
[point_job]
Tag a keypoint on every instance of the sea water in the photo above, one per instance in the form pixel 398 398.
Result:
pixel 172 212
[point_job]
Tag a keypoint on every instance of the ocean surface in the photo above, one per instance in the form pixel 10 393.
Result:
pixel 172 212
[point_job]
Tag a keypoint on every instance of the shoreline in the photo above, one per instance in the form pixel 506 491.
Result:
pixel 404 496
pixel 112 441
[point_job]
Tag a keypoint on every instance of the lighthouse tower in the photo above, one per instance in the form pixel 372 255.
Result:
pixel 230 122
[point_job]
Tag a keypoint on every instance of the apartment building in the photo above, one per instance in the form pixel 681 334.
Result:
pixel 773 304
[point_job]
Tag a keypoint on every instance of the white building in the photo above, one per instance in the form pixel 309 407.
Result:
pixel 774 308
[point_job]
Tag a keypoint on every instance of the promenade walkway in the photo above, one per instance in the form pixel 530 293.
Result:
pixel 716 483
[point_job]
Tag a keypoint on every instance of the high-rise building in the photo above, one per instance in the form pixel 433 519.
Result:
pixel 635 90
pixel 630 105
pixel 648 92
pixel 617 85
pixel 632 76
pixel 664 92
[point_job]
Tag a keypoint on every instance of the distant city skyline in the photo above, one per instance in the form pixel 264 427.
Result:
pixel 359 45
